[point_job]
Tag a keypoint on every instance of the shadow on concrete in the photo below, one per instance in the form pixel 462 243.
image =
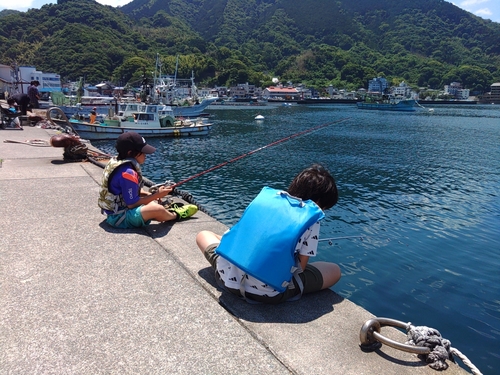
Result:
pixel 158 230
pixel 108 228
pixel 62 161
pixel 310 307
pixel 389 358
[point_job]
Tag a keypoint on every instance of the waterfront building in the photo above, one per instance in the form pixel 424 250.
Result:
pixel 402 90
pixel 49 82
pixel 10 81
pixel 281 93
pixel 6 79
pixel 220 91
pixel 332 91
pixel 244 90
pixel 378 85
pixel 492 97
pixel 17 79
pixel 305 92
pixel 456 91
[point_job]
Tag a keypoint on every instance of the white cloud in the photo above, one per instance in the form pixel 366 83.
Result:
pixel 114 3
pixel 24 5
pixel 485 12
pixel 20 4
pixel 468 3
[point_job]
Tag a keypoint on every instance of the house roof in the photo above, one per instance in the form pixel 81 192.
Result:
pixel 282 90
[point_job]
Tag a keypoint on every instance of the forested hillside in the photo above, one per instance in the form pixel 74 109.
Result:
pixel 427 43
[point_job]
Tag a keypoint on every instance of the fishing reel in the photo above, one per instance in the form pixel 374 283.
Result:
pixel 153 189
pixel 165 201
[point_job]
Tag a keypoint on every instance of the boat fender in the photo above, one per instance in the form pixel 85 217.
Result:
pixel 64 140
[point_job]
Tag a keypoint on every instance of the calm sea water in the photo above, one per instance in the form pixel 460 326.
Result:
pixel 421 190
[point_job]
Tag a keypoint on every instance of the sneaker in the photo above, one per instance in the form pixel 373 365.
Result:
pixel 183 211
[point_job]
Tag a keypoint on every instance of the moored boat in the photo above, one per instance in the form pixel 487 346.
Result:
pixel 147 124
pixel 403 105
pixel 192 110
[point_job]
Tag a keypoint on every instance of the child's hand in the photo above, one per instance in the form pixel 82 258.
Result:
pixel 164 190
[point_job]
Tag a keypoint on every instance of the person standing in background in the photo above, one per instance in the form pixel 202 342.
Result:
pixel 33 94
pixel 22 100
pixel 93 115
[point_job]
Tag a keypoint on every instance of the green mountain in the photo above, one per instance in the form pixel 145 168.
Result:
pixel 427 43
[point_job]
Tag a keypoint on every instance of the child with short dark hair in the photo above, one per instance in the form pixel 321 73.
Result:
pixel 313 184
pixel 122 198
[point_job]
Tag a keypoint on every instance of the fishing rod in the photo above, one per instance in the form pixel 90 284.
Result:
pixel 310 130
pixel 340 238
pixel 331 239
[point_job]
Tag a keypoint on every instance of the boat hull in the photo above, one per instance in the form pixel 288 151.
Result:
pixel 194 110
pixel 327 101
pixel 402 106
pixel 95 132
pixel 191 111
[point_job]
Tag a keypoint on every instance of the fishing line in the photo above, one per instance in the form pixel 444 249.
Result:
pixel 257 150
pixel 331 239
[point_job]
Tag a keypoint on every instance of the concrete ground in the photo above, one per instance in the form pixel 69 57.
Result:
pixel 80 297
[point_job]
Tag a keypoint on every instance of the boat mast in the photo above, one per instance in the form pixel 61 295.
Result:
pixel 156 77
pixel 174 87
pixel 194 89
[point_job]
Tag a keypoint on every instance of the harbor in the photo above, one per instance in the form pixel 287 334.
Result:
pixel 417 190
pixel 81 297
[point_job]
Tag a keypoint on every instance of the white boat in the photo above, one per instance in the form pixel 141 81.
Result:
pixel 391 104
pixel 166 91
pixel 148 124
pixel 180 94
pixel 222 103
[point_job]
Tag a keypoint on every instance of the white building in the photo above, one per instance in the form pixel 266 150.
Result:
pixel 455 89
pixel 244 90
pixel 18 81
pixel 281 93
pixel 402 90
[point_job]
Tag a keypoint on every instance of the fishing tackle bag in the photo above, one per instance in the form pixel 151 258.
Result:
pixel 262 243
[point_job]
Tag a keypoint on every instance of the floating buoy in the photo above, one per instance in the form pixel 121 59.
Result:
pixel 259 117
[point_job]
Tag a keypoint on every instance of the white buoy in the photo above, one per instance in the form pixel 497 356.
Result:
pixel 259 117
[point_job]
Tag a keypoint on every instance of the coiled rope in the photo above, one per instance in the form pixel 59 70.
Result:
pixel 440 348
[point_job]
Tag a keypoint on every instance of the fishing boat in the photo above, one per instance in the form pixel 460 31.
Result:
pixel 150 122
pixel 180 94
pixel 392 104
pixel 192 109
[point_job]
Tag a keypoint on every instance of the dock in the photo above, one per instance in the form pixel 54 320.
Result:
pixel 81 297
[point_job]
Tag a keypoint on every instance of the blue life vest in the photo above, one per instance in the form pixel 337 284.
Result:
pixel 262 243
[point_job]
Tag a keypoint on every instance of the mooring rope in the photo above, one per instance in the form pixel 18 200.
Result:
pixel 440 348
pixel 421 106
pixel 30 142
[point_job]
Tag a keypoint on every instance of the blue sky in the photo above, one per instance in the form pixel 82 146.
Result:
pixel 489 9
pixel 24 5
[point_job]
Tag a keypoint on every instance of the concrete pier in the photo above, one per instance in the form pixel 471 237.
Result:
pixel 80 297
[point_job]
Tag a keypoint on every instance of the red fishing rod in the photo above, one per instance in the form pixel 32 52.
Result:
pixel 256 150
